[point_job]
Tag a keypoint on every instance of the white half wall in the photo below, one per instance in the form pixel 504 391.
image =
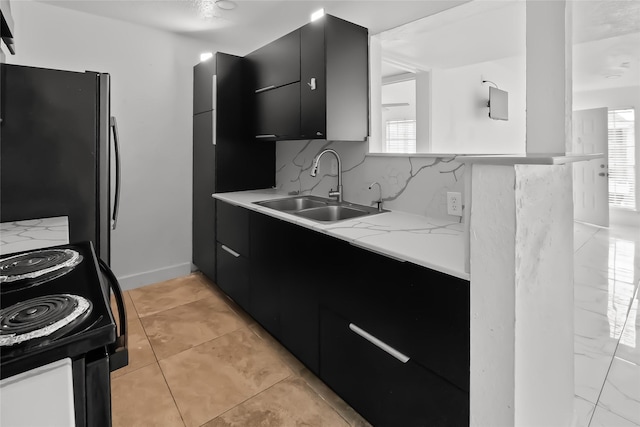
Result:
pixel 151 96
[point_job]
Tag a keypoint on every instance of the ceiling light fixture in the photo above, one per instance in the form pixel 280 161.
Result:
pixel 206 55
pixel 317 14
pixel 226 4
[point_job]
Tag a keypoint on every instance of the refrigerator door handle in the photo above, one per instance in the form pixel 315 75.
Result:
pixel 119 350
pixel 116 146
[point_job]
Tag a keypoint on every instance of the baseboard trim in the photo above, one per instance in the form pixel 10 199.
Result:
pixel 137 280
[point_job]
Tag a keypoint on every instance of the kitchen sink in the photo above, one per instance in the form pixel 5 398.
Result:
pixel 333 213
pixel 294 203
pixel 319 209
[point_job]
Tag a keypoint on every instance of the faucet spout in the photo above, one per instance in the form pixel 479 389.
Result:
pixel 314 171
pixel 379 201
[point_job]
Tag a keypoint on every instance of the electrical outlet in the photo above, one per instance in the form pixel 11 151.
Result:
pixel 454 203
pixel 334 167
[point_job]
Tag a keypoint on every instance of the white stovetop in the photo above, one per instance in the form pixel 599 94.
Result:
pixel 433 243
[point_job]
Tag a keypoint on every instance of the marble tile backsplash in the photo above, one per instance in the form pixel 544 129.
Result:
pixel 410 184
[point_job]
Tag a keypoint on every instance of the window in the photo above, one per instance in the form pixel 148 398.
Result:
pixel 401 136
pixel 622 165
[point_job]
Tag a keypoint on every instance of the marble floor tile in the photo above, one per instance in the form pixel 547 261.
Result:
pixel 621 391
pixel 583 411
pixel 142 398
pixel 604 418
pixel 288 403
pixel 629 345
pixel 213 377
pixel 615 301
pixel 582 233
pixel 595 342
pixel 188 325
pixel 162 296
pixel 140 351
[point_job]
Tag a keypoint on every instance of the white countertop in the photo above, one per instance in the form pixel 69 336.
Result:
pixel 17 236
pixel 527 159
pixel 433 243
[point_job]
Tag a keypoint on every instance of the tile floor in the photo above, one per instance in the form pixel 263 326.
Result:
pixel 197 360
pixel 607 325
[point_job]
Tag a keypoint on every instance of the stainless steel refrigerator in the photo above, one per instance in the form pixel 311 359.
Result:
pixel 55 151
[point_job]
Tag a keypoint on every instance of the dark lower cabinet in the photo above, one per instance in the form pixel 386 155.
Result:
pixel 345 312
pixel 385 390
pixel 266 270
pixel 233 274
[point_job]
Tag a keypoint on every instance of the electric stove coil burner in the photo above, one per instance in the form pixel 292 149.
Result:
pixel 40 317
pixel 31 265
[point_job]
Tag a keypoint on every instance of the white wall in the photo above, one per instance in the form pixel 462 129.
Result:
pixel 151 96
pixel 622 97
pixel 459 117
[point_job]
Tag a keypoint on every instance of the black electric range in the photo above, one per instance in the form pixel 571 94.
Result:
pixel 54 304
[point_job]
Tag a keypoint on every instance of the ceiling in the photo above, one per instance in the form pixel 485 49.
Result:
pixel 606 33
pixel 252 24
pixel 606 40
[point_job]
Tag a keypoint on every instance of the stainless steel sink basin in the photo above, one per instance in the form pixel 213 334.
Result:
pixel 333 213
pixel 318 208
pixel 294 203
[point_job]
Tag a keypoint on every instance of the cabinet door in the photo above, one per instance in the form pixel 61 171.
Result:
pixel 313 83
pixel 233 274
pixel 385 390
pixel 232 227
pixel 277 63
pixel 203 227
pixel 203 90
pixel 278 112
pixel 266 271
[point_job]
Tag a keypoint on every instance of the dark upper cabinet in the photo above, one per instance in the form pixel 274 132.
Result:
pixel 278 109
pixel 327 61
pixel 203 85
pixel 276 64
pixel 334 89
pixel 225 154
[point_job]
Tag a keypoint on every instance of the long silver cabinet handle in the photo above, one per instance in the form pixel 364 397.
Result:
pixel 266 136
pixel 263 89
pixel 380 344
pixel 231 251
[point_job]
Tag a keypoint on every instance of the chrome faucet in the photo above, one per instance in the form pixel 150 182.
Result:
pixel 314 171
pixel 379 201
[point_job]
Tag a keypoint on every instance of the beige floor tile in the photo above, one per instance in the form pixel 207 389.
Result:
pixel 213 377
pixel 335 401
pixel 289 403
pixel 140 351
pixel 162 296
pixel 142 398
pixel 189 325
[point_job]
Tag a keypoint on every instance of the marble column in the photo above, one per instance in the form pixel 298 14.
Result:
pixel 521 267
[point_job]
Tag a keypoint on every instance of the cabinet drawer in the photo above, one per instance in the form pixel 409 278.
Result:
pixel 385 390
pixel 421 312
pixel 233 274
pixel 232 227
